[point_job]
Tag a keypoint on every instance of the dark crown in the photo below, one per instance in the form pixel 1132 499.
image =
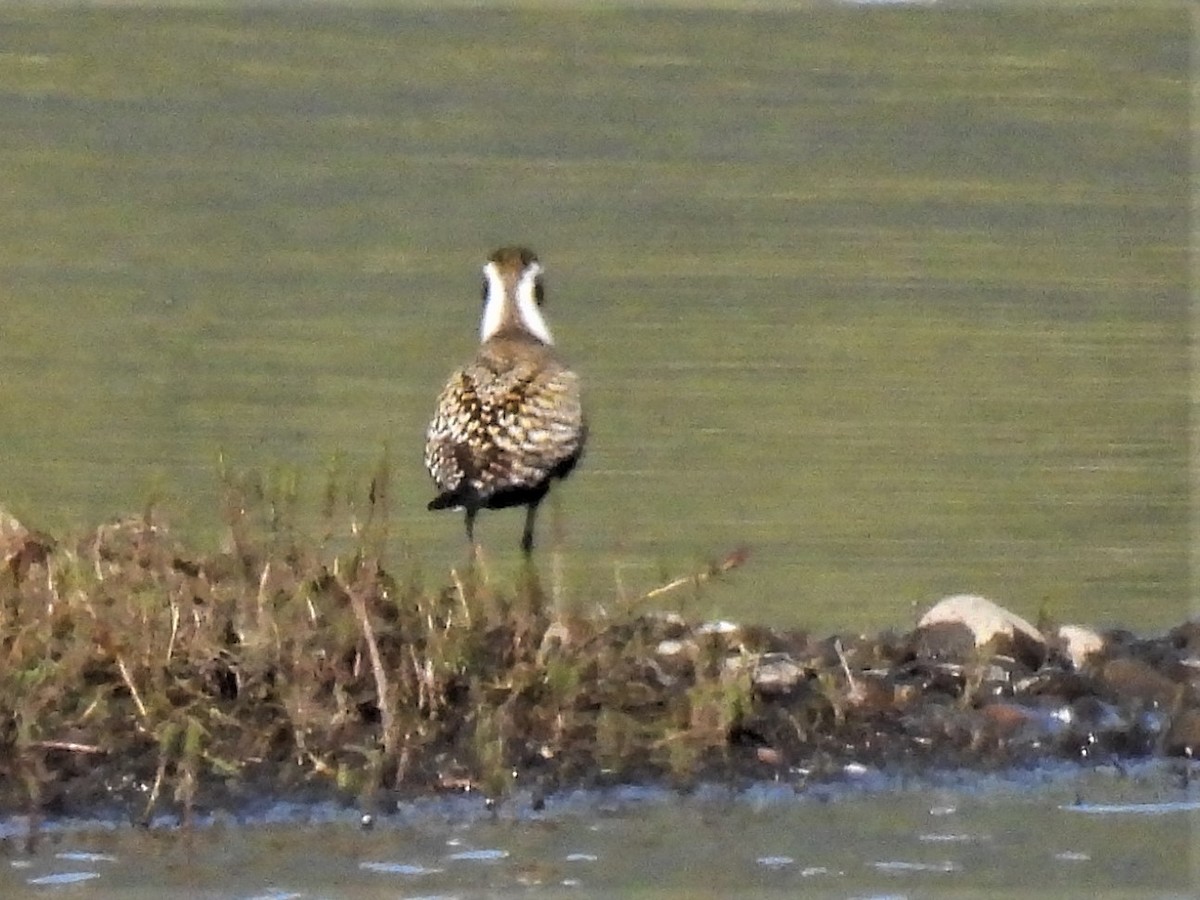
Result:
pixel 514 258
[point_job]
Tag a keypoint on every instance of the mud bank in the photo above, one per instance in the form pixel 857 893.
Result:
pixel 140 675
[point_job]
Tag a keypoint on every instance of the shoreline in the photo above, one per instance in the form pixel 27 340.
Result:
pixel 144 676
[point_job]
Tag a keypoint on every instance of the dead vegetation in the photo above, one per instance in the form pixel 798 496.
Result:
pixel 136 671
pixel 139 675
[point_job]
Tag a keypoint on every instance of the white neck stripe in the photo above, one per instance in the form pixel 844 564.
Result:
pixel 500 308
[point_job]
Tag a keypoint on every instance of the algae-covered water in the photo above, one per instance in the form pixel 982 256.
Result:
pixel 897 297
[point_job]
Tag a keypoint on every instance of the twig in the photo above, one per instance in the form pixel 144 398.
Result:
pixel 143 726
pixel 857 693
pixel 462 596
pixel 381 680
pixel 841 655
pixel 261 597
pixel 174 627
pixel 137 698
pixel 735 559
pixel 68 746
pixel 152 801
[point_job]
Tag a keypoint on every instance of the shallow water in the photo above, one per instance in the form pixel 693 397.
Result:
pixel 895 296
pixel 1052 833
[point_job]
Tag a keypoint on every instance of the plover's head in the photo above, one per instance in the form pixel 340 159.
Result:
pixel 513 294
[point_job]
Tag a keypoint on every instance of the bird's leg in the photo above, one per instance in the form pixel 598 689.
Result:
pixel 527 537
pixel 471 513
pixel 531 583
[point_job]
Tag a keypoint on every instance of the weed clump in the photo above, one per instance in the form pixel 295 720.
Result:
pixel 141 675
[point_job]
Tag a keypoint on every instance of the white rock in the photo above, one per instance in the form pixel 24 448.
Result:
pixel 984 618
pixel 721 626
pixel 1079 643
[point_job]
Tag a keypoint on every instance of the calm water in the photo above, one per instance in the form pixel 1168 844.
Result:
pixel 895 296
pixel 1101 835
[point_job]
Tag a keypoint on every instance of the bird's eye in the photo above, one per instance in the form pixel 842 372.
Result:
pixel 484 292
pixel 539 292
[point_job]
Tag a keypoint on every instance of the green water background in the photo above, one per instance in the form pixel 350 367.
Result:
pixel 896 297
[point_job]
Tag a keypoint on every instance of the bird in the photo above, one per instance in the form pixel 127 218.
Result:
pixel 511 421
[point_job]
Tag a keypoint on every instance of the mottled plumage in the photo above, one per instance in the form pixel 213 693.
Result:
pixel 510 421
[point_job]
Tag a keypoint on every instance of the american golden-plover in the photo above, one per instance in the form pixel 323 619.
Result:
pixel 511 421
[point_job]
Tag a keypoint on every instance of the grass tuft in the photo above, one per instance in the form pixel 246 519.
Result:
pixel 287 661
pixel 139 672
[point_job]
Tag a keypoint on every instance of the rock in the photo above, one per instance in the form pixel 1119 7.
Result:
pixel 988 624
pixel 673 647
pixel 943 641
pixel 1080 644
pixel 1051 682
pixel 1183 737
pixel 1003 720
pixel 776 673
pixel 768 755
pixel 1131 679
pixel 905 695
pixel 1186 637
pixel 869 692
pixel 720 626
